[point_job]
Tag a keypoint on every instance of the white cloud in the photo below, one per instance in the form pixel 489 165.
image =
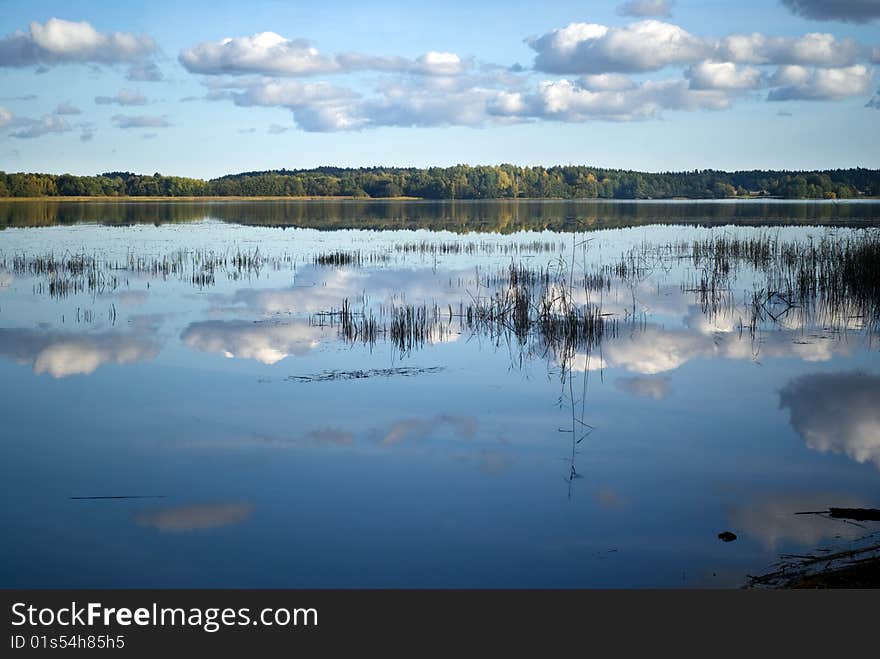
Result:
pixel 650 45
pixel 5 117
pixel 439 63
pixel 813 49
pixel 799 83
pixel 266 53
pixel 591 48
pixel 269 53
pixel 641 8
pixel 123 97
pixel 444 94
pixel 722 75
pixel 316 106
pixel 59 41
pixel 837 413
pixel 607 82
pixel 565 100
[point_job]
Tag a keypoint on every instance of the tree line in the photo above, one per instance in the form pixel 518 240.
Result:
pixel 459 182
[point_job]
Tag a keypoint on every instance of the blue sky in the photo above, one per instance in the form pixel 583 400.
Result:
pixel 207 88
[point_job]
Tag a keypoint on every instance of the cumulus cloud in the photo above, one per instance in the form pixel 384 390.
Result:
pixel 607 82
pixel 650 45
pixel 266 342
pixel 123 97
pixel 837 413
pixel 438 89
pixel 323 107
pixel 67 108
pixel 61 354
pixel 591 48
pixel 182 519
pixel 798 83
pixel 722 75
pixel 269 53
pixel 59 41
pixel 566 100
pixel 266 53
pixel 125 121
pixel 316 106
pixel 813 49
pixel 641 8
pixel 854 11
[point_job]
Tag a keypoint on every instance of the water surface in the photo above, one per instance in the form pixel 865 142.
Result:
pixel 197 360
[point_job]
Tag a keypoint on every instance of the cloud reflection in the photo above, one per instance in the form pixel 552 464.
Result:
pixel 657 388
pixel 266 342
pixel 61 354
pixel 415 429
pixel 837 413
pixel 655 349
pixel 773 522
pixel 182 519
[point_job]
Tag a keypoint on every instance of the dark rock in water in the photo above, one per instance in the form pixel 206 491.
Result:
pixel 727 536
pixel 857 514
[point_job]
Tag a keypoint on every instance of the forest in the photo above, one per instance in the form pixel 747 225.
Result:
pixel 459 182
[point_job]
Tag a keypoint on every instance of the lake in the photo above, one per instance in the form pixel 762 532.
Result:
pixel 433 394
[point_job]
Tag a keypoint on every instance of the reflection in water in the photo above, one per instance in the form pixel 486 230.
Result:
pixel 657 388
pixel 360 421
pixel 182 519
pixel 319 289
pixel 504 216
pixel 61 354
pixel 267 342
pixel 406 430
pixel 132 298
pixel 836 412
pixel 652 349
pixel 774 521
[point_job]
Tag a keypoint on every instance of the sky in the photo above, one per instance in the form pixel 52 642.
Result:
pixel 210 88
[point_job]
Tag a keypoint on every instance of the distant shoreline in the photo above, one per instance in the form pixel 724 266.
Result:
pixel 220 198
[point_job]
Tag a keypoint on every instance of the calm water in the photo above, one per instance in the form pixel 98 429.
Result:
pixel 197 354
